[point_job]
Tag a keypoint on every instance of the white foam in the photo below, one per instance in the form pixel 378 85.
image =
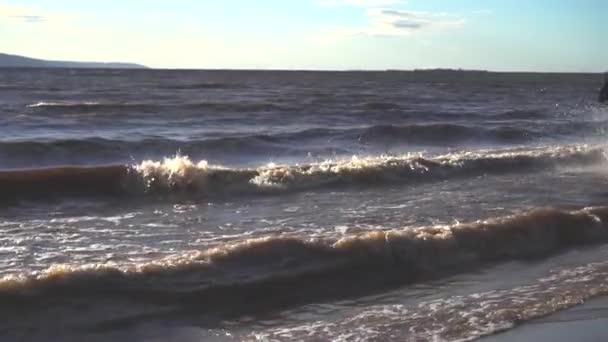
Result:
pixel 181 173
pixel 61 104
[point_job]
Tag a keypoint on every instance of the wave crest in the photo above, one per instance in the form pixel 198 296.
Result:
pixel 265 273
pixel 180 175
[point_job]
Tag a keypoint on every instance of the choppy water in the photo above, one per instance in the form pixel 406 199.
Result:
pixel 224 205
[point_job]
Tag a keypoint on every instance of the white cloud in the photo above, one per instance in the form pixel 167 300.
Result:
pixel 10 12
pixel 358 3
pixel 396 23
pixel 30 18
pixel 392 22
pixel 26 14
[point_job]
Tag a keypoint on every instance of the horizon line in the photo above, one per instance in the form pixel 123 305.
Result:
pixel 422 69
pixel 454 70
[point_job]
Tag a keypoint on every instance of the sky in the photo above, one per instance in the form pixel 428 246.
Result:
pixel 501 35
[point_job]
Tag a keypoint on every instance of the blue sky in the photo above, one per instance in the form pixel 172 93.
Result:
pixel 506 35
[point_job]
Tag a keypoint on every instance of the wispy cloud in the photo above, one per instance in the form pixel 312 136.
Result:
pixel 22 14
pixel 393 22
pixel 358 3
pixel 30 18
pixel 383 22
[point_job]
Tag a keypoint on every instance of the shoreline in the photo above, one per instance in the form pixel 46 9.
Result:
pixel 587 322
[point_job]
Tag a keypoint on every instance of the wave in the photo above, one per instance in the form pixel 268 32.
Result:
pixel 381 106
pixel 100 150
pixel 371 110
pixel 239 107
pixel 444 133
pixel 205 85
pixel 20 154
pixel 294 142
pixel 86 107
pixel 180 175
pixel 522 114
pixel 275 271
pixel 63 104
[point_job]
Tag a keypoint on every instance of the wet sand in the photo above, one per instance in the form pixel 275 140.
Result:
pixel 583 323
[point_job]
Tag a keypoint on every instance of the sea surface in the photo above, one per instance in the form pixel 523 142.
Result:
pixel 158 205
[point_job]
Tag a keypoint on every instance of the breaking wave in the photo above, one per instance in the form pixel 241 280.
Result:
pixel 271 272
pixel 180 175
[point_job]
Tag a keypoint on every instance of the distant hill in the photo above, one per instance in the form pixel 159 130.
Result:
pixel 14 61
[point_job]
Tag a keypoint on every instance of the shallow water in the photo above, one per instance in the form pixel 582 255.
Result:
pixel 143 205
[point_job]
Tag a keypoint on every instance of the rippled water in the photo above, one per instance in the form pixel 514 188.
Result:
pixel 142 205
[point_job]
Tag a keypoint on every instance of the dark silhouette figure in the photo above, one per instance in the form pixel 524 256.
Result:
pixel 604 91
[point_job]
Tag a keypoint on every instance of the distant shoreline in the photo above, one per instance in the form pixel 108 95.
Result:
pixel 8 61
pixel 405 72
pixel 16 61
